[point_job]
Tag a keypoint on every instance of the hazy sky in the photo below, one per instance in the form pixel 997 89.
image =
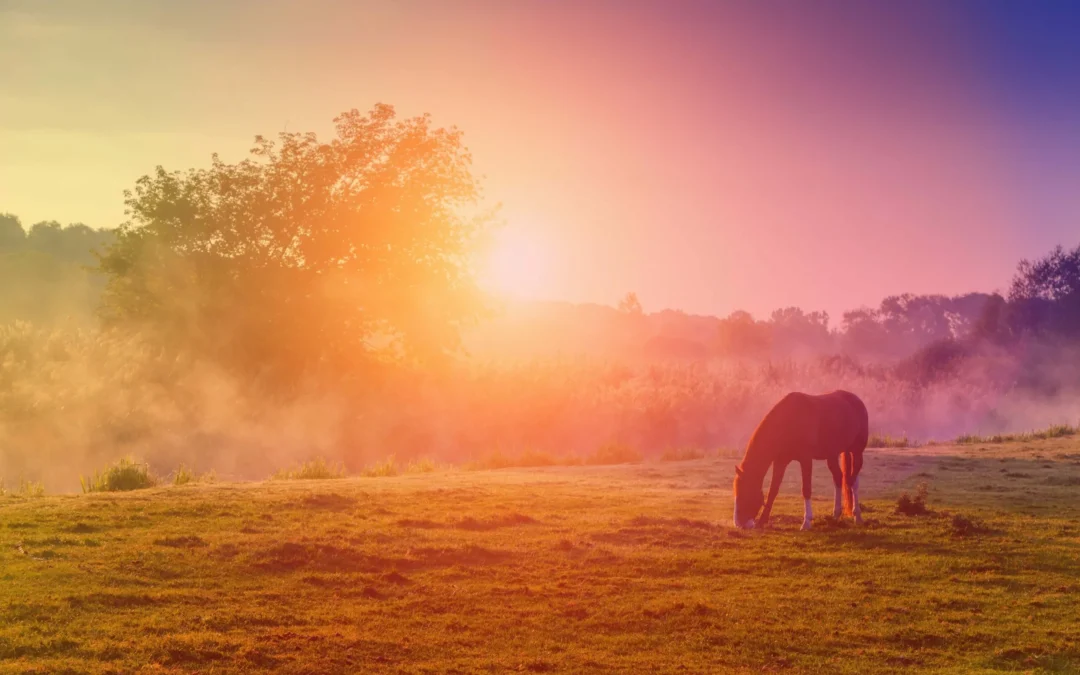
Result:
pixel 708 155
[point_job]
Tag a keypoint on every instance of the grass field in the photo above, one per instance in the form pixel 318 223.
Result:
pixel 563 569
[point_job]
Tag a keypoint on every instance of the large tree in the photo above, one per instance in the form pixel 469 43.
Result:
pixel 308 254
pixel 1045 294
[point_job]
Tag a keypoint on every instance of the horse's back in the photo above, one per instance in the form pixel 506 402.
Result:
pixel 822 424
pixel 843 425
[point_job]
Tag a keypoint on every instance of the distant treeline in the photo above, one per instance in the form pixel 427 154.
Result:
pixel 46 271
pixel 49 275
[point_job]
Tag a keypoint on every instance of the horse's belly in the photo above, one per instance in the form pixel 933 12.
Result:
pixel 826 453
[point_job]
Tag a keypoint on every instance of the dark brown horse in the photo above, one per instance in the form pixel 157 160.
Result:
pixel 801 428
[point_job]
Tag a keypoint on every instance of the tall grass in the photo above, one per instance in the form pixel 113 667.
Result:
pixel 422 465
pixel 386 468
pixel 316 469
pixel 185 475
pixel 1054 431
pixel 125 474
pixel 889 441
pixel 27 488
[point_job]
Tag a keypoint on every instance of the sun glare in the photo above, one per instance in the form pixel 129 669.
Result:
pixel 518 265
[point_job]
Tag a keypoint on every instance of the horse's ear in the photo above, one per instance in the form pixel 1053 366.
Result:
pixel 738 470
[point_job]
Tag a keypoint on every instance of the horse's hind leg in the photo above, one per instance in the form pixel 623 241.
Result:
pixel 838 486
pixel 857 461
pixel 808 513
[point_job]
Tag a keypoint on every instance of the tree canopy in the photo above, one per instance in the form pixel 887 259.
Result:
pixel 309 253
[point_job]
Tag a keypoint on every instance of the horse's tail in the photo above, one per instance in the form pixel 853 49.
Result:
pixel 847 467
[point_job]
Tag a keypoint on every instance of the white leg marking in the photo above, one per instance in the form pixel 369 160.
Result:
pixel 808 515
pixel 855 498
pixel 838 501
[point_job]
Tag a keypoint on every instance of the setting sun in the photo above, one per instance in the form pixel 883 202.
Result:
pixel 518 265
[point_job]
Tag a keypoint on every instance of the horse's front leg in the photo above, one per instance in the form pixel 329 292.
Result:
pixel 808 513
pixel 774 487
pixel 838 487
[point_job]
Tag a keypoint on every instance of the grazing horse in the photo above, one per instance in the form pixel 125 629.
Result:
pixel 802 428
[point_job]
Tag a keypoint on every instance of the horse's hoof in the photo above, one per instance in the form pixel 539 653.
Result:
pixel 805 525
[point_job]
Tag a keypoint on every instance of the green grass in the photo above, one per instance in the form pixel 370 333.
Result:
pixel 316 469
pixel 1055 431
pixel 125 474
pixel 613 569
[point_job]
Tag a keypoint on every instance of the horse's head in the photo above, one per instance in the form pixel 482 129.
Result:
pixel 749 499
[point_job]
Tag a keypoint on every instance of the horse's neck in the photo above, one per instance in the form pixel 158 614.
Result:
pixel 755 462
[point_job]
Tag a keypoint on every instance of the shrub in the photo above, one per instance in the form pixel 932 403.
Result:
pixel 913 506
pixel 126 474
pixel 316 469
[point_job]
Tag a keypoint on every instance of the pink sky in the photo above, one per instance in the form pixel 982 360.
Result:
pixel 712 158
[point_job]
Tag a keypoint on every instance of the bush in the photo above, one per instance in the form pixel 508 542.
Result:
pixel 126 474
pixel 316 469
pixel 913 506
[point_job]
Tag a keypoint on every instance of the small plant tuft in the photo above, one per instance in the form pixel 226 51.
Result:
pixel 126 474
pixel 962 526
pixel 913 506
pixel 316 469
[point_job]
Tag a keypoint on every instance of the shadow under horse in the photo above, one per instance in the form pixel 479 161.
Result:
pixel 801 428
